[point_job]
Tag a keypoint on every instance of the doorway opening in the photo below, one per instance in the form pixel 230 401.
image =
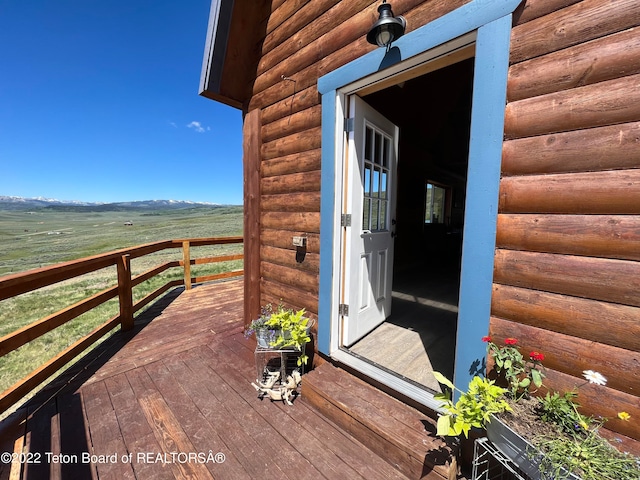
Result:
pixel 433 116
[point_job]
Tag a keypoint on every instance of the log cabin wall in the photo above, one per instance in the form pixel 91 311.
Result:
pixel 305 40
pixel 567 270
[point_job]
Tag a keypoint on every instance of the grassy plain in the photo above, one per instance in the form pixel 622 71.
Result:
pixel 44 237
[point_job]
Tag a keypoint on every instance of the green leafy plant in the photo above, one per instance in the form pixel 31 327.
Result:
pixel 519 372
pixel 292 330
pixel 575 445
pixel 586 454
pixel 474 408
pixel 563 411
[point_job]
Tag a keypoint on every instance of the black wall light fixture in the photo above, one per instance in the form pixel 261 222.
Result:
pixel 388 28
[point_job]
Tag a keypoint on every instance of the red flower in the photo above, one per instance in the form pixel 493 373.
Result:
pixel 486 339
pixel 537 356
pixel 510 341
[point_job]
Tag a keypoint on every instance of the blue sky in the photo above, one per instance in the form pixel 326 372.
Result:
pixel 99 102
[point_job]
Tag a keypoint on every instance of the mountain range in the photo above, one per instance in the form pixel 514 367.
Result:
pixel 21 203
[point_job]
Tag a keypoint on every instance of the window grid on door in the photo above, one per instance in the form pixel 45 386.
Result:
pixel 375 179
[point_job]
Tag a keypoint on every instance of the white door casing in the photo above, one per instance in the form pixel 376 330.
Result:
pixel 369 197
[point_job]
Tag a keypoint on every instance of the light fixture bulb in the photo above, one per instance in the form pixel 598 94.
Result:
pixel 388 28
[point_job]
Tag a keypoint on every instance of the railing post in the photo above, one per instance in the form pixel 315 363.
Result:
pixel 124 292
pixel 186 254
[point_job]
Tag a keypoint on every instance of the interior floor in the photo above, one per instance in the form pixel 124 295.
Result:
pixel 419 335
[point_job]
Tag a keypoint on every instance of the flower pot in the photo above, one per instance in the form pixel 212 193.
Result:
pixel 519 451
pixel 263 337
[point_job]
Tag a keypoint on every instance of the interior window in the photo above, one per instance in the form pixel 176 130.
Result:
pixel 435 197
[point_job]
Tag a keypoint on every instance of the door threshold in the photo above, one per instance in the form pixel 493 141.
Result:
pixel 407 388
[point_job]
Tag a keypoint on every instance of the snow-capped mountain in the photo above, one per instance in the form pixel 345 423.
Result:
pixel 20 203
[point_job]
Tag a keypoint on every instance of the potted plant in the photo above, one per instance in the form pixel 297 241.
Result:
pixel 292 330
pixel 547 436
pixel 264 333
pixel 282 329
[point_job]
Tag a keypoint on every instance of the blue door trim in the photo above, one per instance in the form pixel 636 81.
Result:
pixel 492 21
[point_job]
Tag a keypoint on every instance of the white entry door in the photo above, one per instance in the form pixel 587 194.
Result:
pixel 369 197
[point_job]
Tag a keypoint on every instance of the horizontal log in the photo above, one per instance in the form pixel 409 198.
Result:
pixel 283 239
pixel 593 149
pixel 578 23
pixel 297 122
pixel 307 222
pixel 599 401
pixel 294 163
pixel 295 277
pixel 294 182
pixel 307 25
pixel 600 60
pixel 356 47
pixel 282 12
pixel 605 103
pixel 289 258
pixel 606 236
pixel 296 143
pixel 291 202
pixel 612 192
pixel 532 9
pixel 339 33
pixel 577 317
pixel 573 355
pixel 614 281
pixel 296 102
pixel 275 292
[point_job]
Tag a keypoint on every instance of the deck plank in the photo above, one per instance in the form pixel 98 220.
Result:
pixel 353 456
pixel 180 381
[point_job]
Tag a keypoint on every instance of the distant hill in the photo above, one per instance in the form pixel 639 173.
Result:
pixel 20 203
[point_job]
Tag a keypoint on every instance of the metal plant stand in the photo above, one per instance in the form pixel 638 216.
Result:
pixel 489 463
pixel 269 360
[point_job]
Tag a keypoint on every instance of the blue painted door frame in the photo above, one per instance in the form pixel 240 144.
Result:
pixel 491 20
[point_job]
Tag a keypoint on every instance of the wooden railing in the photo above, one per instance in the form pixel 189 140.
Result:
pixel 17 284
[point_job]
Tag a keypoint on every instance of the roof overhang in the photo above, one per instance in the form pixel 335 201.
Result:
pixel 234 39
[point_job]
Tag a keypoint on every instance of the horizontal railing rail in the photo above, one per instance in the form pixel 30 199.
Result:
pixel 24 282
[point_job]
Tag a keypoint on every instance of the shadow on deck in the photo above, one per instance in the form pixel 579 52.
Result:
pixel 172 399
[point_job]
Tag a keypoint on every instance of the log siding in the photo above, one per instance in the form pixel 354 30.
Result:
pixel 567 264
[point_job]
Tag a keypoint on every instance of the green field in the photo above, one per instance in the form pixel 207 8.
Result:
pixel 44 237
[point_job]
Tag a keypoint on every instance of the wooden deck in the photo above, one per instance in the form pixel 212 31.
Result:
pixel 172 399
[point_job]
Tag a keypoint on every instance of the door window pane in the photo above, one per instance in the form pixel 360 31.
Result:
pixel 376 179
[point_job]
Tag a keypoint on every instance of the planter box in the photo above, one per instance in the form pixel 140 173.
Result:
pixel 519 451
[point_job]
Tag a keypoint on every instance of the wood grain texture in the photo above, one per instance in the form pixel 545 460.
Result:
pixel 295 163
pixel 532 9
pixel 578 317
pixel 605 103
pixel 573 355
pixel 606 236
pixel 614 281
pixel 593 149
pixel 251 160
pixel 600 60
pixel 577 23
pixel 612 192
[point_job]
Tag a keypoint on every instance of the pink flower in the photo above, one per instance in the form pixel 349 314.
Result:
pixel 486 339
pixel 510 341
